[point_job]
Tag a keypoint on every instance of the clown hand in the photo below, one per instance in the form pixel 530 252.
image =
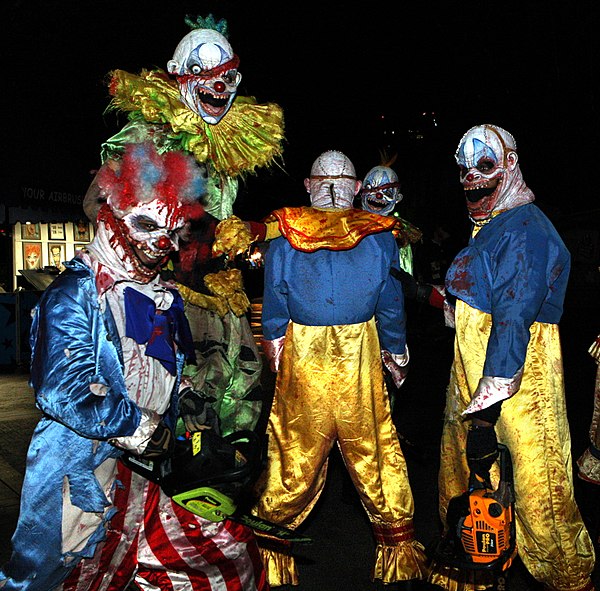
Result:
pixel 482 450
pixel 232 237
pixel 196 411
pixel 161 443
pixel 397 365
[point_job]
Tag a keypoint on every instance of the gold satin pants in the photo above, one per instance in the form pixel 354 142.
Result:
pixel 552 540
pixel 329 390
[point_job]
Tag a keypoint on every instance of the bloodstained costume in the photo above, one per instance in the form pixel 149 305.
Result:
pixel 109 339
pixel 509 284
pixel 330 309
pixel 194 107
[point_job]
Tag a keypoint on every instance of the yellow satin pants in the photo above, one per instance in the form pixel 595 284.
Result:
pixel 552 540
pixel 329 390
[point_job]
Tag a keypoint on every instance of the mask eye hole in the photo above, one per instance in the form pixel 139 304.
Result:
pixel 146 224
pixel 485 165
pixel 196 70
pixel 230 77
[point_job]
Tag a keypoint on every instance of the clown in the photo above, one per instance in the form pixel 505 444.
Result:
pixel 194 106
pixel 326 334
pixel 109 338
pixel 380 194
pixel 506 381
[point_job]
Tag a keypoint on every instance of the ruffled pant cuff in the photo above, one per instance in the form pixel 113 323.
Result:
pixel 280 567
pixel 453 579
pixel 402 562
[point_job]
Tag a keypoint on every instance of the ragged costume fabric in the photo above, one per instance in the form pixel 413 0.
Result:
pixel 337 309
pixel 94 383
pixel 509 284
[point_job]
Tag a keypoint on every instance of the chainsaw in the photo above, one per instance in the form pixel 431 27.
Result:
pixel 207 474
pixel 481 528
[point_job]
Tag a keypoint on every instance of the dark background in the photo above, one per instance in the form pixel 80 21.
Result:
pixel 426 71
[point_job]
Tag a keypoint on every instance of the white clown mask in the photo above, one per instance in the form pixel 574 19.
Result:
pixel 207 73
pixel 332 183
pixel 149 199
pixel 489 172
pixel 380 190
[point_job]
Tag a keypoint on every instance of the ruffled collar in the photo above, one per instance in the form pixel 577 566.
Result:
pixel 249 136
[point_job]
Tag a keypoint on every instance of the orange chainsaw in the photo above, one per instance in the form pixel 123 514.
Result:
pixel 481 527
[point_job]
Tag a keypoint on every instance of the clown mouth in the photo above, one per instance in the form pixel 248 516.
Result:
pixel 213 104
pixel 376 204
pixel 148 258
pixel 477 194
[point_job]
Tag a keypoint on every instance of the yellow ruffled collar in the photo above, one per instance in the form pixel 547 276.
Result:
pixel 249 136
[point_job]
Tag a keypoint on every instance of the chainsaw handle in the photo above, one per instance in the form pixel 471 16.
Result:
pixel 506 473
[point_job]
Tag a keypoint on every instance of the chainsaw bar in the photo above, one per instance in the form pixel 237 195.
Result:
pixel 269 529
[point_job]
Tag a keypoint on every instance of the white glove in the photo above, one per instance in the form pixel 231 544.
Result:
pixel 396 364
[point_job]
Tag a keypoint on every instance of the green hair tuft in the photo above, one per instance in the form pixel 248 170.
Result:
pixel 208 23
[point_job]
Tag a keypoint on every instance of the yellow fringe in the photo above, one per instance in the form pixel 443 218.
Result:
pixel 281 568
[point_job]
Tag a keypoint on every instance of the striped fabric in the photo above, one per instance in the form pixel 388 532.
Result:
pixel 159 546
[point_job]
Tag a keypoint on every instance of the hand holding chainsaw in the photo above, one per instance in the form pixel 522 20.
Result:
pixel 482 443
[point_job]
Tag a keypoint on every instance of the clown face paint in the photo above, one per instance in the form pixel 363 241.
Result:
pixel 332 183
pixel 486 157
pixel 380 190
pixel 207 75
pixel 151 230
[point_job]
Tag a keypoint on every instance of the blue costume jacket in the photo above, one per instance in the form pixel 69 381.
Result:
pixel 496 274
pixel 297 288
pixel 74 345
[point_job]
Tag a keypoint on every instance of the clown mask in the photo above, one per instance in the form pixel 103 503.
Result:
pixel 487 159
pixel 151 230
pixel 380 190
pixel 207 74
pixel 149 199
pixel 332 183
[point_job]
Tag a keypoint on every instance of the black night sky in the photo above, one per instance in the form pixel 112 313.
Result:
pixel 530 67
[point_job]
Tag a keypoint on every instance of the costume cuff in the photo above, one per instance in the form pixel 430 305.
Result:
pixel 437 297
pixel 272 230
pixel 398 556
pixel 397 365
pixel 589 465
pixel 272 350
pixel 493 389
pixel 137 443
pixel 449 315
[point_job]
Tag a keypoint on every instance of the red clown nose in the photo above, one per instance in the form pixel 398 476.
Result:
pixel 163 243
pixel 219 86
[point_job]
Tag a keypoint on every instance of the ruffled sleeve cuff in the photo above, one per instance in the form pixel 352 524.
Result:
pixel 493 389
pixel 137 443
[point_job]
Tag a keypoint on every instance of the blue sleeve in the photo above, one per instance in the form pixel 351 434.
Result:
pixel 390 314
pixel 276 315
pixel 71 351
pixel 519 267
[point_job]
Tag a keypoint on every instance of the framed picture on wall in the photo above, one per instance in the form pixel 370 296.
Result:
pixel 56 231
pixel 81 231
pixel 79 246
pixel 56 255
pixel 30 232
pixel 32 255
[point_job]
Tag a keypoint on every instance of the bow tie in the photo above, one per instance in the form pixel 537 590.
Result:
pixel 162 331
